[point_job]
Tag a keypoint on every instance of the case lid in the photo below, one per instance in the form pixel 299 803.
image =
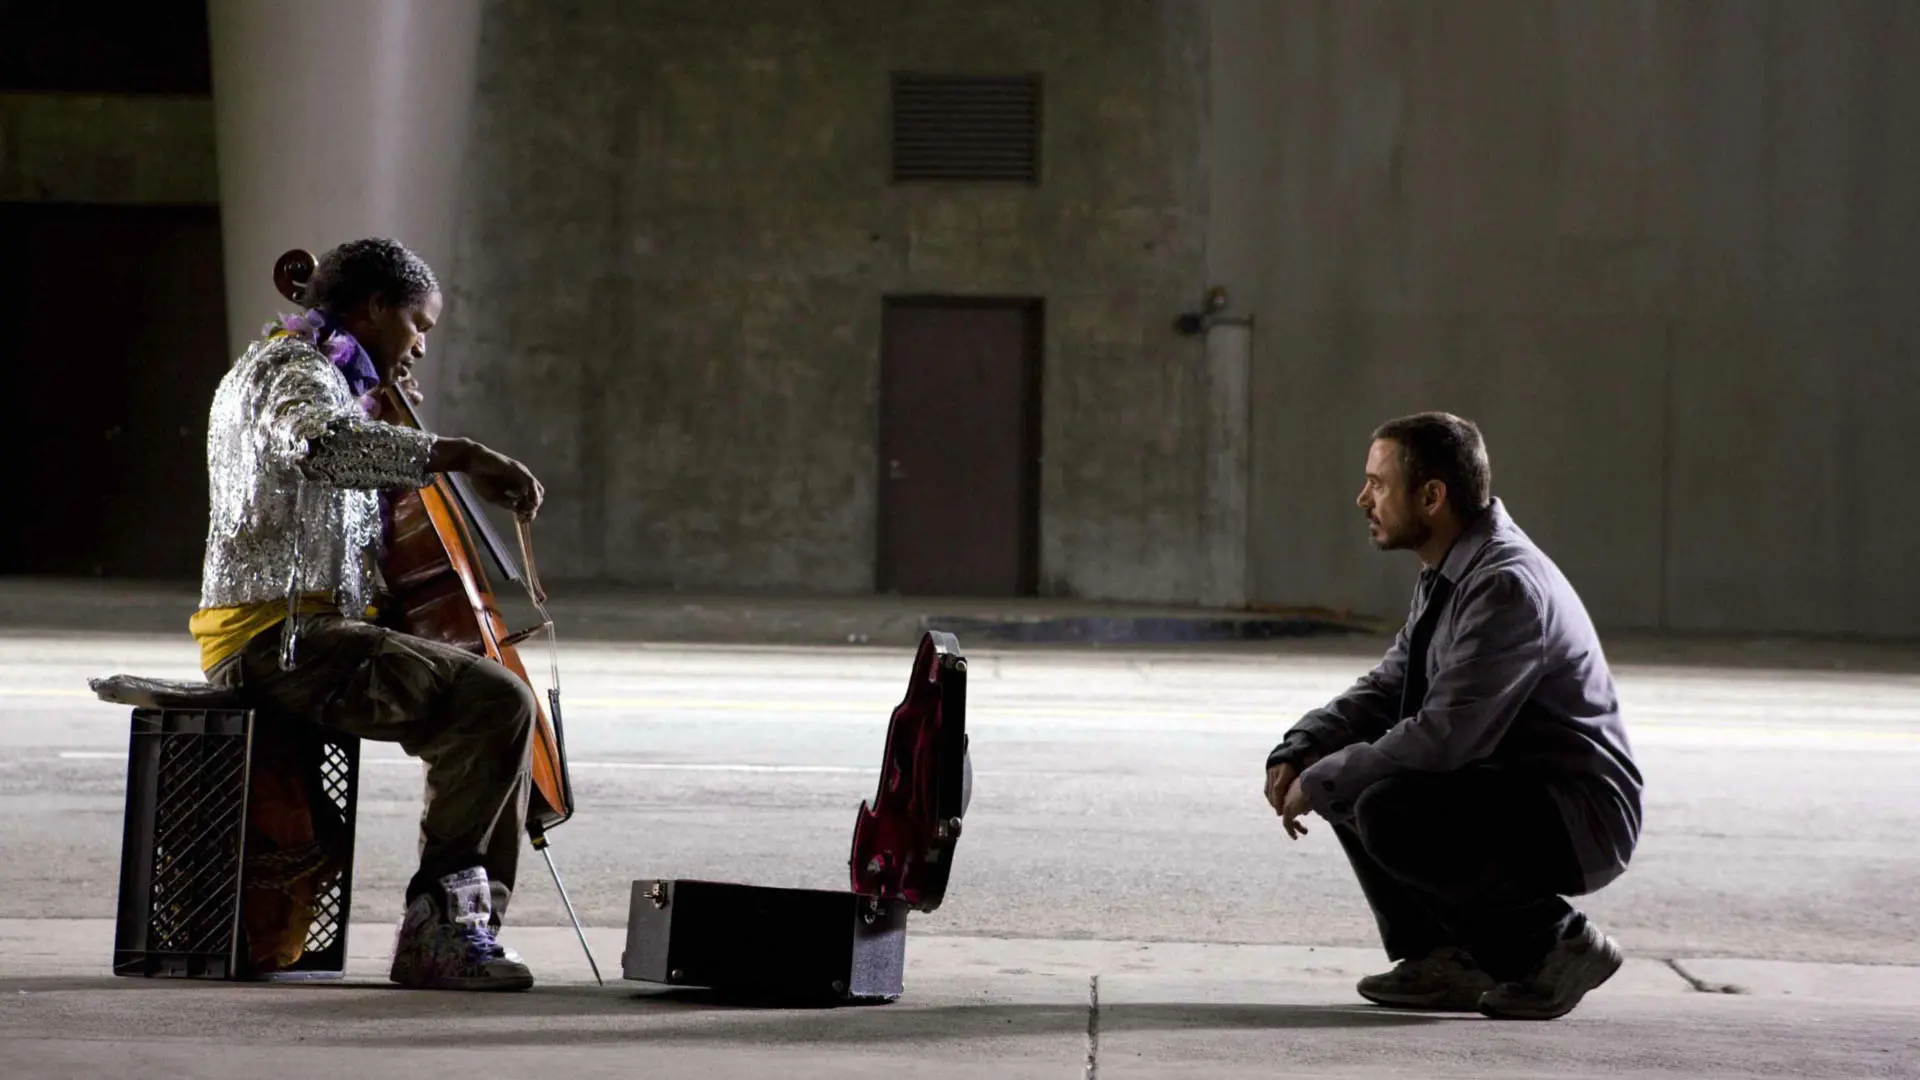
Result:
pixel 903 840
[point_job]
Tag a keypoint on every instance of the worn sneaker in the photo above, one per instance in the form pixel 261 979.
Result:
pixel 450 945
pixel 1445 979
pixel 1578 964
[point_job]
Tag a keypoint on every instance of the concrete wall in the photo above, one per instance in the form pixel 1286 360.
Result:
pixel 111 320
pixel 116 149
pixel 678 230
pixel 1665 253
pixel 105 108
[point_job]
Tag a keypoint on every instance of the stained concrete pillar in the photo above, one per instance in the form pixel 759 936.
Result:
pixel 1229 373
pixel 336 121
pixel 1244 96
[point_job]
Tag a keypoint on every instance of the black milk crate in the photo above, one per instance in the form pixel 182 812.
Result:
pixel 184 863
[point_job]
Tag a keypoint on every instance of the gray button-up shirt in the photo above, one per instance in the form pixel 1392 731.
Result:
pixel 1515 678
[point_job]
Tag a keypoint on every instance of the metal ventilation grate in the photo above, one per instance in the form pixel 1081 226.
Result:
pixel 966 127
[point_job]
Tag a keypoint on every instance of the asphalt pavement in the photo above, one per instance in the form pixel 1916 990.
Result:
pixel 1117 833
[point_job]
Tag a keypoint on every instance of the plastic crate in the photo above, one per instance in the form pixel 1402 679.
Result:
pixel 191 853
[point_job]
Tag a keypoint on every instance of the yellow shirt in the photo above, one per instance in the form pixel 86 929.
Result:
pixel 224 631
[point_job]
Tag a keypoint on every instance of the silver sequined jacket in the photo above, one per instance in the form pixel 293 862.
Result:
pixel 294 473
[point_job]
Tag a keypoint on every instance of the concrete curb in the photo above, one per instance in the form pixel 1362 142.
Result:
pixel 599 613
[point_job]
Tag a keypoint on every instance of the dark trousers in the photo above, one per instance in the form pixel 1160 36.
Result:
pixel 468 718
pixel 1477 858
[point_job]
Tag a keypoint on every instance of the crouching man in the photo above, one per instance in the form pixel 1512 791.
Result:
pixel 1481 772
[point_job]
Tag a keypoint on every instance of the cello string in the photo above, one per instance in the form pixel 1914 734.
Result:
pixel 537 593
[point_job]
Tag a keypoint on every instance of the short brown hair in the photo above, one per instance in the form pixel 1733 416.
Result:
pixel 1444 447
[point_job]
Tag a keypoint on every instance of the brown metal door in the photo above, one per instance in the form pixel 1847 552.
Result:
pixel 959 447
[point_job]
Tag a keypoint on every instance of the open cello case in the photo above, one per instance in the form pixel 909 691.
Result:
pixel 820 944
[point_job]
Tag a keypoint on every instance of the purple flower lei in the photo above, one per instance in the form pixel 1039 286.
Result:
pixel 340 347
pixel 344 350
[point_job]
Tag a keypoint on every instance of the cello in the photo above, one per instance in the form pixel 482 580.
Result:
pixel 440 591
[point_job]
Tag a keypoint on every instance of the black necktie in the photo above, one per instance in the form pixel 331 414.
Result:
pixel 1413 690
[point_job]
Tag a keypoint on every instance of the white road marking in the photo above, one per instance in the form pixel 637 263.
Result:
pixel 650 766
pixel 1637 718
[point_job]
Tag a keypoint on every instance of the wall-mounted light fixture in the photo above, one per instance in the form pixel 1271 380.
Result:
pixel 1194 322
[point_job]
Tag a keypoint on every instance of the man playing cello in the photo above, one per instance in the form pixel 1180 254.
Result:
pixel 299 465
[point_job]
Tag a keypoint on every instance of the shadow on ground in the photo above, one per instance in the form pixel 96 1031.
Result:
pixel 374 1015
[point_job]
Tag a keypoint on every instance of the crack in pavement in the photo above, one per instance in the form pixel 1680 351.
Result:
pixel 1702 985
pixel 1093 1027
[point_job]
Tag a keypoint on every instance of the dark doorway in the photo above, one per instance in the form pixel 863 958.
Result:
pixel 959 447
pixel 96 48
pixel 115 338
